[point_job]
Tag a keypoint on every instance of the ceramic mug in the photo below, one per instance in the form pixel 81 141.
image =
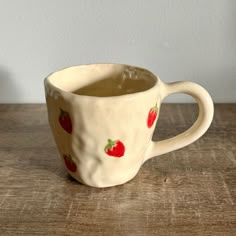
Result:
pixel 104 140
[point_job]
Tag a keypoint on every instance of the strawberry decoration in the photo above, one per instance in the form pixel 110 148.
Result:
pixel 115 148
pixel 71 166
pixel 65 121
pixel 152 116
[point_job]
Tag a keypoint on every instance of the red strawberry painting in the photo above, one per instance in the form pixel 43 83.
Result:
pixel 71 166
pixel 65 121
pixel 115 148
pixel 152 115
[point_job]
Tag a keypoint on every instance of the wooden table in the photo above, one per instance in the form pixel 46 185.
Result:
pixel 191 191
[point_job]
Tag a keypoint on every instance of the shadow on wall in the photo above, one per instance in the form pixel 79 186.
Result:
pixel 9 93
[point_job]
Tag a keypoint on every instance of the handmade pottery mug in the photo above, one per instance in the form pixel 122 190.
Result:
pixel 103 117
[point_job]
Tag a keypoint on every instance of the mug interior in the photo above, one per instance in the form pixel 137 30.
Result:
pixel 103 80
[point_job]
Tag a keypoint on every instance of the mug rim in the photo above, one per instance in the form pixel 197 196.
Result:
pixel 130 95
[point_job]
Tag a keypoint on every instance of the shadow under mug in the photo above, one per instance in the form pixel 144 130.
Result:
pixel 104 140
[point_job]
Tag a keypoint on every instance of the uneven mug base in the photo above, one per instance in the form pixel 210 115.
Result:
pixel 103 185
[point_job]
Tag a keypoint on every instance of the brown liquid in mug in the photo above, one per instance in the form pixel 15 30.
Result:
pixel 115 87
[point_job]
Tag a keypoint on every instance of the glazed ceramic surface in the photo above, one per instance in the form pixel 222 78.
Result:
pixel 103 141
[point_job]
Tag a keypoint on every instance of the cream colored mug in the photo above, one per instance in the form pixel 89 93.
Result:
pixel 103 117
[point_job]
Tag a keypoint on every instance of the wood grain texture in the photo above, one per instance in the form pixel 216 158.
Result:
pixel 191 191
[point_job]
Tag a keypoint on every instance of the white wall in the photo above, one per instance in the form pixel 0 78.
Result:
pixel 176 39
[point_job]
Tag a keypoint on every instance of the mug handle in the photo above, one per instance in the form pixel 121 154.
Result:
pixel 205 116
